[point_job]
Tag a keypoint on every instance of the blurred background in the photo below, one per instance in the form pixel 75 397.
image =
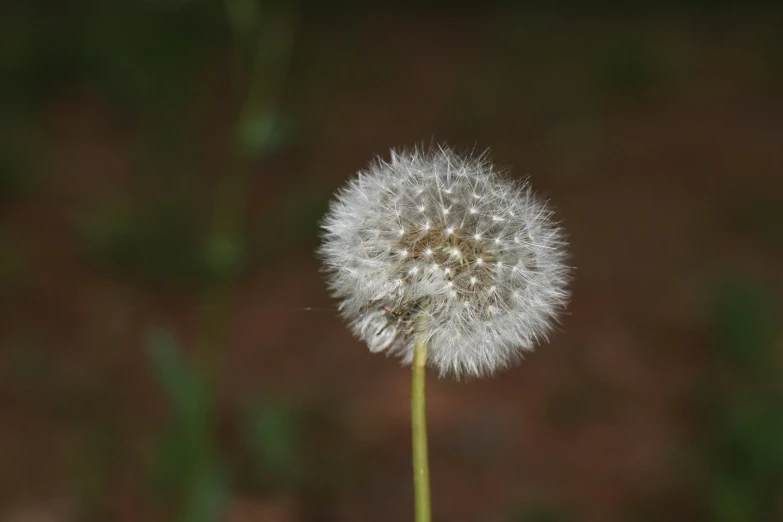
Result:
pixel 163 168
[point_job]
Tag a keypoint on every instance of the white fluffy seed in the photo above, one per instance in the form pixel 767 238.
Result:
pixel 476 320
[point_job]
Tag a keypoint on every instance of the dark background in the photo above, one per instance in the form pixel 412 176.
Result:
pixel 164 166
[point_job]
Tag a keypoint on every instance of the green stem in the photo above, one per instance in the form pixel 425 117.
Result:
pixel 421 470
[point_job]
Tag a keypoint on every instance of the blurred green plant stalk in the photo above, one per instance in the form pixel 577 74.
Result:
pixel 745 408
pixel 188 461
pixel 263 36
pixel 187 467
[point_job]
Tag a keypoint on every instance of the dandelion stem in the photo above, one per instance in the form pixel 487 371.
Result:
pixel 421 470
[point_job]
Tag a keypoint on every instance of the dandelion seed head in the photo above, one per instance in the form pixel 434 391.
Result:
pixel 482 303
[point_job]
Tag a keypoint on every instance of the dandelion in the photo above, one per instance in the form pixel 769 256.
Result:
pixel 446 243
pixel 440 260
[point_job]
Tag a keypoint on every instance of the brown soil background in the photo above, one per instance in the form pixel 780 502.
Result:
pixel 648 163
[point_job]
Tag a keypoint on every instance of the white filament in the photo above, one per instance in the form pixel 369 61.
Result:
pixel 435 233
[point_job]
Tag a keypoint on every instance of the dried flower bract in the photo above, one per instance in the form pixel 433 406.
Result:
pixel 433 241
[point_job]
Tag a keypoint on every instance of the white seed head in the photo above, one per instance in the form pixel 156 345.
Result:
pixel 497 278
